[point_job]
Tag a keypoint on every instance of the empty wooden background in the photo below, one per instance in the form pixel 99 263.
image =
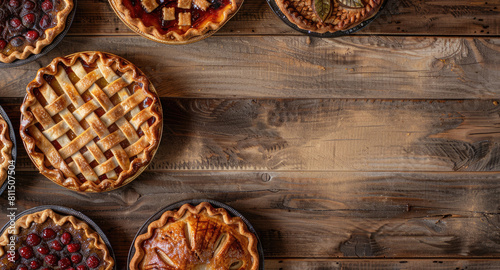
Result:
pixel 380 150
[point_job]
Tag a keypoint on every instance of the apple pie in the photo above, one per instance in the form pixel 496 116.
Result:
pixel 201 237
pixel 91 121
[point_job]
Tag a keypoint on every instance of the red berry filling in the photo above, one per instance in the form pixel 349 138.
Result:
pixel 26 252
pixel 73 247
pixel 14 3
pixel 76 258
pixel 56 245
pixel 33 240
pixel 81 267
pixel 28 5
pixel 29 19
pixel 15 22
pixel 92 262
pixel 64 263
pixel 3 43
pixel 51 260
pixel 43 250
pixel 35 264
pixel 66 238
pixel 48 234
pixel 47 5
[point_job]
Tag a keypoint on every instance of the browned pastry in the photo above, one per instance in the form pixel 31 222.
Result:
pixel 176 20
pixel 200 237
pixel 5 150
pixel 28 26
pixel 46 240
pixel 91 121
pixel 323 16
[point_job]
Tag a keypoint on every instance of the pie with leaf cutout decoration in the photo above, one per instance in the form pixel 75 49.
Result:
pixel 28 26
pixel 201 237
pixel 46 240
pixel 176 21
pixel 91 121
pixel 323 16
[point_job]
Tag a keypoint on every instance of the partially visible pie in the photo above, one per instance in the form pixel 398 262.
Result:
pixel 28 26
pixel 91 121
pixel 46 240
pixel 5 150
pixel 201 237
pixel 176 20
pixel 322 16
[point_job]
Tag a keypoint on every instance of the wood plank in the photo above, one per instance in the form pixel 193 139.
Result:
pixel 360 264
pixel 417 17
pixel 308 214
pixel 350 67
pixel 322 135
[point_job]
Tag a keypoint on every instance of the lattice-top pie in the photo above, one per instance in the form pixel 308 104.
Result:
pixel 91 121
pixel 28 26
pixel 46 240
pixel 176 20
pixel 323 16
pixel 5 150
pixel 200 237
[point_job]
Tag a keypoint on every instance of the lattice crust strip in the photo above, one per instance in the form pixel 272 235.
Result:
pixel 90 121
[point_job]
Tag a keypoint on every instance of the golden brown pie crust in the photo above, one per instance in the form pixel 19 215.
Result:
pixel 90 110
pixel 190 236
pixel 23 223
pixel 50 35
pixel 5 150
pixel 300 13
pixel 223 15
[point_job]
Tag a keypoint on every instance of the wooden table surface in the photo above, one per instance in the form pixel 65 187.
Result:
pixel 379 150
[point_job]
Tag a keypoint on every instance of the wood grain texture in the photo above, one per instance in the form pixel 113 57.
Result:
pixel 322 135
pixel 400 17
pixel 350 67
pixel 361 264
pixel 308 215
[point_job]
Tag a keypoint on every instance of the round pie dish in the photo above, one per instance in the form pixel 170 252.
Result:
pixel 8 150
pixel 91 121
pixel 54 237
pixel 175 22
pixel 194 234
pixel 28 26
pixel 327 18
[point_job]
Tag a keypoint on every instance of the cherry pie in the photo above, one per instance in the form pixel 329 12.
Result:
pixel 175 21
pixel 48 241
pixel 27 26
pixel 91 121
pixel 323 16
pixel 5 150
pixel 200 237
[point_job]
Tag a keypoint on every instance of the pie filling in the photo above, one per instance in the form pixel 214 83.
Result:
pixel 177 15
pixel 93 121
pixel 53 246
pixel 23 23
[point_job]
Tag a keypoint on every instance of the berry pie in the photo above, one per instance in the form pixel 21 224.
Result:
pixel 5 150
pixel 200 237
pixel 322 16
pixel 48 241
pixel 91 121
pixel 175 21
pixel 27 26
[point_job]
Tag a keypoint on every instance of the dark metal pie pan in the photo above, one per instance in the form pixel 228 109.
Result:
pixel 12 136
pixel 363 24
pixel 69 212
pixel 195 202
pixel 46 49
